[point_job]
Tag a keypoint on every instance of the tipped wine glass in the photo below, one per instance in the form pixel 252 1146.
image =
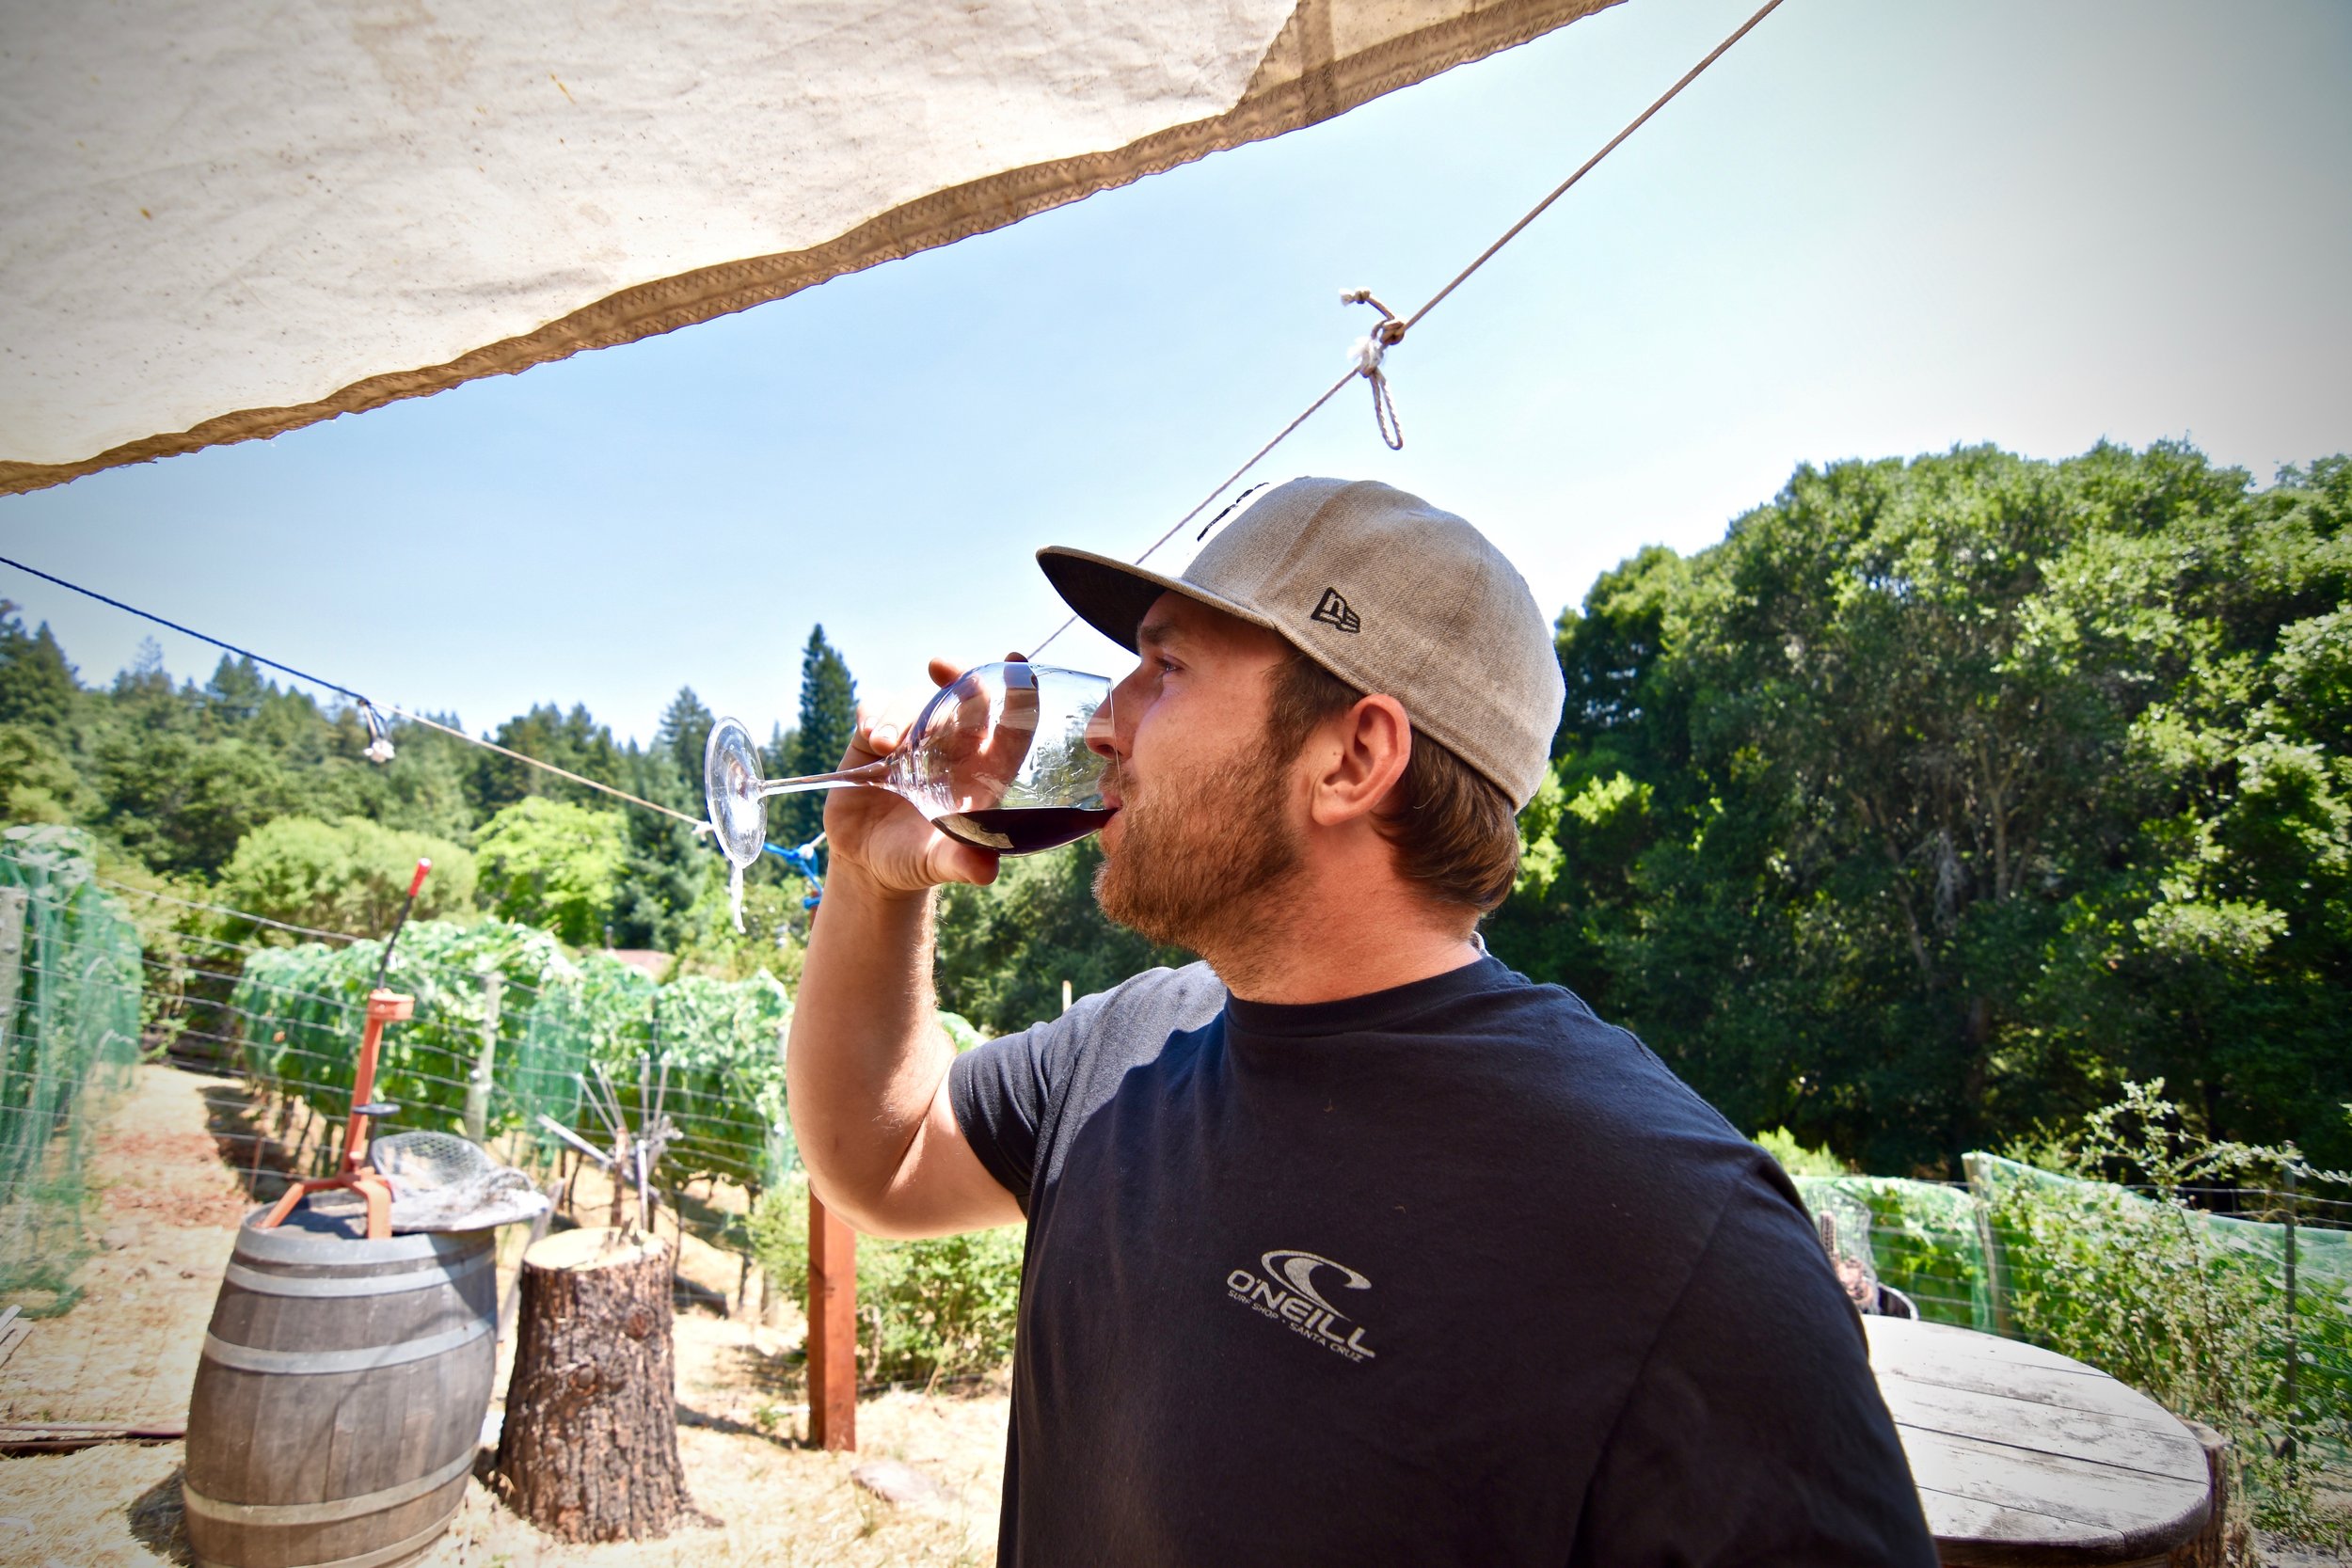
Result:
pixel 1000 758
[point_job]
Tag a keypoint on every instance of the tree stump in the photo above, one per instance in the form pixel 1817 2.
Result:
pixel 589 1448
pixel 2223 1539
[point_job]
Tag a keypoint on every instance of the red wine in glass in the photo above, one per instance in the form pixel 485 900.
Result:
pixel 1022 829
pixel 1009 757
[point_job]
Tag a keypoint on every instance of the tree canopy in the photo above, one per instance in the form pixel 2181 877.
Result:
pixel 554 865
pixel 1943 796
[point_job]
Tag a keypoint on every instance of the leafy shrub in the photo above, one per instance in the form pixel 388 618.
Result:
pixel 1795 1158
pixel 2180 1305
pixel 927 1310
pixel 346 876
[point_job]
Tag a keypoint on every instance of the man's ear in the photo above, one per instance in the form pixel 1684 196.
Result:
pixel 1369 747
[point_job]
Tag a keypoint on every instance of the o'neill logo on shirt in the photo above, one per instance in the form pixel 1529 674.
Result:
pixel 1288 1293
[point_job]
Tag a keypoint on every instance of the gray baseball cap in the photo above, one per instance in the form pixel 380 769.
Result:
pixel 1383 590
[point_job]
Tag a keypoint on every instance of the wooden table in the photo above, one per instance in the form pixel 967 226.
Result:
pixel 2023 1456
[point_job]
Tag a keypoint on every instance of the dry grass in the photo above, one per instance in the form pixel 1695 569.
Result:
pixel 128 1351
pixel 112 1507
pixel 775 1503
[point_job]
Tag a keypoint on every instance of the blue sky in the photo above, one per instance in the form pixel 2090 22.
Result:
pixel 1873 229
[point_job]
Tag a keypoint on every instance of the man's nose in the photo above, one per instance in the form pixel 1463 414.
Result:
pixel 1110 734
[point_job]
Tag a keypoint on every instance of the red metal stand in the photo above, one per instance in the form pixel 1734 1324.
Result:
pixel 354 1173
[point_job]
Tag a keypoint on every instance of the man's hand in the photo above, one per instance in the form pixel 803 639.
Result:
pixel 867 1068
pixel 876 833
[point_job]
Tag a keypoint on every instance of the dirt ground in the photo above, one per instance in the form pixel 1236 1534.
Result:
pixel 127 1353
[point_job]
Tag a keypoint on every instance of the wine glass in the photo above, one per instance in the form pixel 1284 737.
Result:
pixel 1000 758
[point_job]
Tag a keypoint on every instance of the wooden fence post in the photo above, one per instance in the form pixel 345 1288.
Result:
pixel 831 1329
pixel 1989 1240
pixel 12 904
pixel 477 1112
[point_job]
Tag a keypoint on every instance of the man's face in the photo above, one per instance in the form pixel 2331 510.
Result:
pixel 1203 829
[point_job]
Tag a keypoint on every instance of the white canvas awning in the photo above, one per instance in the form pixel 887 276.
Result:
pixel 220 219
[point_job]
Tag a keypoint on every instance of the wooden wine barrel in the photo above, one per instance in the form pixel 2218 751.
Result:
pixel 339 1401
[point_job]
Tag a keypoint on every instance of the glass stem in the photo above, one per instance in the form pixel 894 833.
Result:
pixel 873 774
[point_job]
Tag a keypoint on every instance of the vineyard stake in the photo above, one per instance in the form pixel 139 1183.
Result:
pixel 831 1329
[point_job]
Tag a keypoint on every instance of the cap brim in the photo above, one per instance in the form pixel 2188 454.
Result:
pixel 1111 597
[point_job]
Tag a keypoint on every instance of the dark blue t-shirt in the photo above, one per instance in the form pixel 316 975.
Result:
pixel 1453 1273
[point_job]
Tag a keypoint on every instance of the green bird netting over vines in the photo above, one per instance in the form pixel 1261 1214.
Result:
pixel 507 1022
pixel 69 1035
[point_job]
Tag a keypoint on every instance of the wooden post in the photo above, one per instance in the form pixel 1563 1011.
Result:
pixel 1989 1240
pixel 12 904
pixel 2292 1453
pixel 589 1447
pixel 831 1329
pixel 477 1112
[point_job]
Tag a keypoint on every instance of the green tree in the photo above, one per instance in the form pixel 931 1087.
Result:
pixel 828 717
pixel 38 688
pixel 555 866
pixel 1623 732
pixel 38 783
pixel 236 694
pixel 2213 957
pixel 668 869
pixel 684 731
pixel 347 876
pixel 422 789
pixel 571 740
pixel 180 805
pixel 1943 794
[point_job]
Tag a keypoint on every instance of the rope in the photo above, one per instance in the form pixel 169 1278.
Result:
pixel 1562 189
pixel 186 631
pixel 1369 352
pixel 1393 327
pixel 1310 412
pixel 223 909
pixel 694 822
pixel 379 744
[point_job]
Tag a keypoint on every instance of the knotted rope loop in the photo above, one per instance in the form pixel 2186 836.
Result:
pixel 1393 327
pixel 379 748
pixel 1370 350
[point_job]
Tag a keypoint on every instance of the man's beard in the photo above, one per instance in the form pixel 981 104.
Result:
pixel 1201 861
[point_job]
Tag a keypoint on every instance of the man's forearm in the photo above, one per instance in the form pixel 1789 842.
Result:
pixel 866 1052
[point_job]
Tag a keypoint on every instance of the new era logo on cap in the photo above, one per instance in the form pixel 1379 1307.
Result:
pixel 1333 611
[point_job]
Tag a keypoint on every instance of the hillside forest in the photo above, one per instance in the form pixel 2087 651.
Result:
pixel 1937 800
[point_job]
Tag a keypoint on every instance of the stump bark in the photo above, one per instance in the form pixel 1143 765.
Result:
pixel 589 1447
pixel 2223 1539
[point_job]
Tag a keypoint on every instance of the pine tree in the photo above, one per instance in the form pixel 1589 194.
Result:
pixel 828 713
pixel 684 731
pixel 38 688
pixel 235 691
